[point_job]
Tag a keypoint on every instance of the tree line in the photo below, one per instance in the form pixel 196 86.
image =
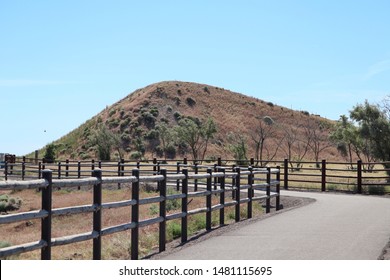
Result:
pixel 365 134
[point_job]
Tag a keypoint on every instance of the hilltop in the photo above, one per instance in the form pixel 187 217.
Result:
pixel 135 119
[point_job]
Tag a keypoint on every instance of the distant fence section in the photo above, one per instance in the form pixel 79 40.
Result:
pixel 352 177
pixel 190 180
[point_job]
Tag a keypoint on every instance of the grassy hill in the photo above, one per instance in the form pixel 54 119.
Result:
pixel 134 120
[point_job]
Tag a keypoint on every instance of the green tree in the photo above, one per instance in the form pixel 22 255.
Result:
pixel 104 141
pixel 196 135
pixel 350 142
pixel 346 136
pixel 374 130
pixel 50 153
pixel 167 138
pixel 238 147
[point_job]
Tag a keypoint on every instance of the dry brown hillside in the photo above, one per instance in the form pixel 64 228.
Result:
pixel 135 117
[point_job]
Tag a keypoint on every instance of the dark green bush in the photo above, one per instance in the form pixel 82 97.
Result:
pixel 112 112
pixel 376 190
pixel 50 153
pixel 154 111
pixel 8 203
pixel 177 116
pixel 159 151
pixel 270 104
pixel 136 155
pixel 152 135
pixel 173 230
pixel 190 101
pixel 170 151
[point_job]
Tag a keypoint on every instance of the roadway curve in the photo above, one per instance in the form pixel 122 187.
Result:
pixel 334 227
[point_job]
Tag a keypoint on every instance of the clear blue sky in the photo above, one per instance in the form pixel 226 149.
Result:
pixel 62 62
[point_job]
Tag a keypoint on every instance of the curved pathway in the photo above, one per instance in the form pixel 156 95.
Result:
pixel 334 227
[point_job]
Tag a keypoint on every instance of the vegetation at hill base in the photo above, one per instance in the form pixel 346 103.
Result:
pixel 365 134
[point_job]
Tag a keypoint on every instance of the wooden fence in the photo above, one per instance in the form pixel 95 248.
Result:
pixel 322 176
pixel 266 180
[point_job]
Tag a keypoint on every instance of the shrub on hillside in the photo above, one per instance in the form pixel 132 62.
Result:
pixel 112 112
pixel 159 151
pixel 177 116
pixel 190 101
pixel 136 155
pixel 170 151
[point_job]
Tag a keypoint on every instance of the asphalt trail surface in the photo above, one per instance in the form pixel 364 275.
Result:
pixel 334 227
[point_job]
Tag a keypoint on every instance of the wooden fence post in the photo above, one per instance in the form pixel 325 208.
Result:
pixel 122 171
pixel 285 175
pixel 184 207
pixel 39 170
pixel 215 179
pixel 196 180
pixel 278 189
pixel 323 175
pixel 238 194
pixel 67 168
pixel 6 170
pixel 359 177
pixel 208 199
pixel 154 166
pixel 250 192
pixel 97 215
pixel 158 172
pixel 219 161
pixel 135 216
pixel 233 182
pixel 23 167
pixel 36 157
pixel 59 170
pixel 178 172
pixel 268 200
pixel 78 172
pixel 46 222
pixel 222 199
pixel 163 214
pixel 119 173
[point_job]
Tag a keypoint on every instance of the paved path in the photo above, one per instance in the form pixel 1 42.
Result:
pixel 334 227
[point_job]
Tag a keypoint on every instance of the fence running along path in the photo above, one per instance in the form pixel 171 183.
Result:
pixel 257 179
pixel 322 175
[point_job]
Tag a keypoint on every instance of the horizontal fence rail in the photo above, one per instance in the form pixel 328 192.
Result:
pixel 214 181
